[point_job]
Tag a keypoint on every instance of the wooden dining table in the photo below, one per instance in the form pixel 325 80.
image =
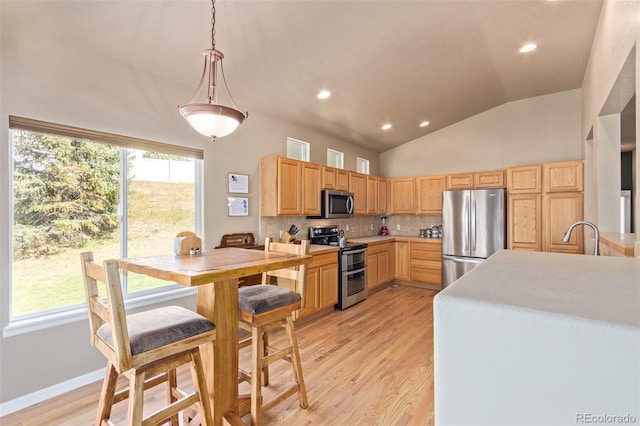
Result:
pixel 215 273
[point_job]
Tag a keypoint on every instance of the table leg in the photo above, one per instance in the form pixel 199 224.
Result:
pixel 219 302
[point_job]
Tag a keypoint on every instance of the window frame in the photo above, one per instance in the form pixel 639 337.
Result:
pixel 305 148
pixel 71 313
pixel 362 162
pixel 337 155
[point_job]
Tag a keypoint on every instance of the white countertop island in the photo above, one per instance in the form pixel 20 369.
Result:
pixel 539 339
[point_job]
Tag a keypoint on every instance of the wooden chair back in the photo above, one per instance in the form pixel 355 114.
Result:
pixel 294 278
pixel 109 310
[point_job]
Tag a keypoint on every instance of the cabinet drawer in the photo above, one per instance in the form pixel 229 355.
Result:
pixel 426 264
pixel 324 259
pixel 426 275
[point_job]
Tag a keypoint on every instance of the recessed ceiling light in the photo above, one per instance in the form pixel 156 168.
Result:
pixel 324 94
pixel 386 126
pixel 424 124
pixel 528 48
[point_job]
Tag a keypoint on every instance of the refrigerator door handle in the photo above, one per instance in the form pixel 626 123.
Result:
pixel 459 259
pixel 472 224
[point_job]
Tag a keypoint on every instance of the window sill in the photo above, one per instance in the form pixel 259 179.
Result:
pixel 56 319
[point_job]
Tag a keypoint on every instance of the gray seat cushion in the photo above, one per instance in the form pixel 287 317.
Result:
pixel 257 299
pixel 159 327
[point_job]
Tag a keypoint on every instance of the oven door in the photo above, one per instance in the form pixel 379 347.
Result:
pixel 353 287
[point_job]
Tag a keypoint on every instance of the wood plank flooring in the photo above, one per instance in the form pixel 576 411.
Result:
pixel 371 364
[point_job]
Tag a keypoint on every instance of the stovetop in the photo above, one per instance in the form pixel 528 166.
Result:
pixel 329 236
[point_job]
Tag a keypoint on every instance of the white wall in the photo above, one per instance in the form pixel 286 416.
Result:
pixel 529 131
pixel 47 81
pixel 611 79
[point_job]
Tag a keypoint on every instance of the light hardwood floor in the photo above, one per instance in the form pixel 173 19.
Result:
pixel 370 364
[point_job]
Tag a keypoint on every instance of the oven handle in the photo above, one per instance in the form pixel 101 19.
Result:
pixel 355 271
pixel 358 251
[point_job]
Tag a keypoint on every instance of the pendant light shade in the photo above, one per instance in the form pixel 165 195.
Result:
pixel 209 118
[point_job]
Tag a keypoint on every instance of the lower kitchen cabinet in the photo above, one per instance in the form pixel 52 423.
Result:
pixel 426 262
pixel 561 210
pixel 321 288
pixel 378 264
pixel 402 260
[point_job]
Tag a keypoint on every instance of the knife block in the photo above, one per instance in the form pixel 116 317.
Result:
pixel 287 238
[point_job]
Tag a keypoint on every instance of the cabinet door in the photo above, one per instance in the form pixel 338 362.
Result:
pixel 493 179
pixel 311 287
pixel 426 262
pixel 382 196
pixel 372 195
pixel 525 221
pixel 562 209
pixel 383 267
pixel 328 177
pixel 372 269
pixel 460 181
pixel 524 180
pixel 289 187
pixel 342 180
pixel 328 285
pixel 358 185
pixel 430 194
pixel 563 177
pixel 310 189
pixel 402 260
pixel 402 193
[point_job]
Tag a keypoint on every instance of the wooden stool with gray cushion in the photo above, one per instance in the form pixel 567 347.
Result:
pixel 264 307
pixel 145 347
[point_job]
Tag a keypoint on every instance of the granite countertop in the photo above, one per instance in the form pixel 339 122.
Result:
pixel 594 288
pixel 622 243
pixel 390 238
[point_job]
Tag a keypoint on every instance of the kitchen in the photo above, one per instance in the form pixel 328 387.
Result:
pixel 567 115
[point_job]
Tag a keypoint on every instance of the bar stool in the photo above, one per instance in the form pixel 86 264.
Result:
pixel 145 347
pixel 262 308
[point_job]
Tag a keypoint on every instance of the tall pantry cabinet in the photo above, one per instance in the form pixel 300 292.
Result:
pixel 544 200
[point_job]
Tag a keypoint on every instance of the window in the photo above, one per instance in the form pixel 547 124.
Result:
pixel 335 159
pixel 115 196
pixel 298 150
pixel 362 165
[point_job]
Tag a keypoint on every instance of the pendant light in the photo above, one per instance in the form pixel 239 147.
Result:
pixel 209 118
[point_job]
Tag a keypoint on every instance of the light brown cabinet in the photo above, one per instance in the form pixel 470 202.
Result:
pixel 429 194
pixel 372 195
pixel 524 180
pixel 525 221
pixel 402 260
pixel 382 195
pixel 402 195
pixel 460 181
pixel 296 184
pixel 310 189
pixel 336 179
pixel 321 288
pixel 378 268
pixel 490 179
pixel 544 200
pixel 425 262
pixel 358 185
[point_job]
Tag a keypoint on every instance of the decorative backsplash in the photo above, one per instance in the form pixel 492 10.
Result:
pixel 359 226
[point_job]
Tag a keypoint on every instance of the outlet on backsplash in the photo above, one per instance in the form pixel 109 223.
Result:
pixel 398 227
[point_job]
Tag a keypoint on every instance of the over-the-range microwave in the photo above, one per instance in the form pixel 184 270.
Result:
pixel 335 204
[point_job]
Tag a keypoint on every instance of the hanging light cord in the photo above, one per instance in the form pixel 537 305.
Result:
pixel 213 25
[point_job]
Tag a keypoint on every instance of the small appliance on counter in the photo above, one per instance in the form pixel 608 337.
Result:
pixel 383 228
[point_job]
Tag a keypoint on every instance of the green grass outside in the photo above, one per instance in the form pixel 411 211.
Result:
pixel 157 212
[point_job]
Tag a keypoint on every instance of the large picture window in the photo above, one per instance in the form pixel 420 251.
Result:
pixel 77 194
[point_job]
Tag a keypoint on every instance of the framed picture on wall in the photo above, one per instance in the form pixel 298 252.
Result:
pixel 238 206
pixel 238 184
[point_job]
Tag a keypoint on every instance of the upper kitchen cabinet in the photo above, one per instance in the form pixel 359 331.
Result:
pixel 358 185
pixel 460 181
pixel 402 195
pixel 429 194
pixel 310 189
pixel 566 176
pixel 296 185
pixel 336 179
pixel 524 179
pixel 382 195
pixel 372 195
pixel 491 179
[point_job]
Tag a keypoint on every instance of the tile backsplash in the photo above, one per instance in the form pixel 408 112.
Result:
pixel 359 226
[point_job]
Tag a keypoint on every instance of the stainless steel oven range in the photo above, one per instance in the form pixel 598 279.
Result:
pixel 352 264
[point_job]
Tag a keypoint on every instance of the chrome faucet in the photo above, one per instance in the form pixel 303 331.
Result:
pixel 596 248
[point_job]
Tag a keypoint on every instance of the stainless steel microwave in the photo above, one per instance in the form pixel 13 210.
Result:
pixel 335 204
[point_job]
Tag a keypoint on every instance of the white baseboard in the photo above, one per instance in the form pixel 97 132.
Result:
pixel 50 392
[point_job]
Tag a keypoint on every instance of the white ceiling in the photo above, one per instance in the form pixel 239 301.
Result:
pixel 384 61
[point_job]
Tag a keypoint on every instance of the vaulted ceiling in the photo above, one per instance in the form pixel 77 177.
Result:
pixel 400 62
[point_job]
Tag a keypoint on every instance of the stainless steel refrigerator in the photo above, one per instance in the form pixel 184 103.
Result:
pixel 473 227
